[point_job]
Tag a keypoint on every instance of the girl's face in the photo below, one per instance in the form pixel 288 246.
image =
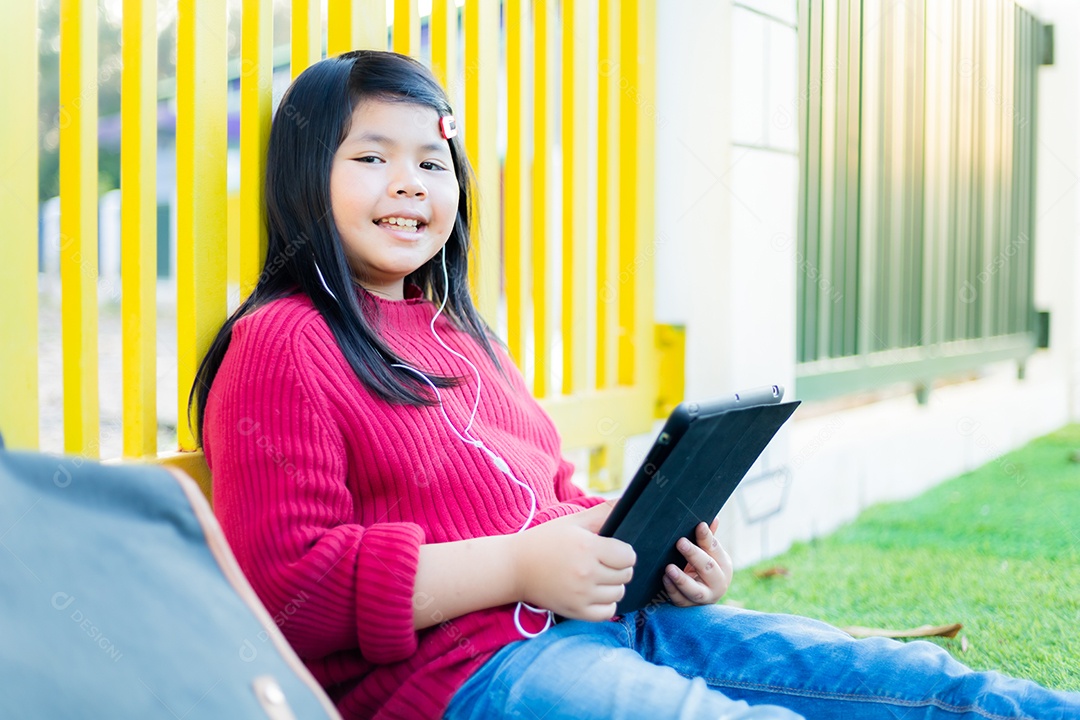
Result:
pixel 393 192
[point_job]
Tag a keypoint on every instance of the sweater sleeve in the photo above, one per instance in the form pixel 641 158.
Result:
pixel 279 470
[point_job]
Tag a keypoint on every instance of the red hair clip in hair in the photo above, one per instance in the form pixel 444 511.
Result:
pixel 447 126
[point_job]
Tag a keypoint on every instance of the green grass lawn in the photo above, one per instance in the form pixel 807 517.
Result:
pixel 997 549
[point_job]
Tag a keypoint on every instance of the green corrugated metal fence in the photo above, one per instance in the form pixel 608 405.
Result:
pixel 916 220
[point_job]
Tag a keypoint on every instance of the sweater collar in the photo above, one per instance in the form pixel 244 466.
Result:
pixel 413 295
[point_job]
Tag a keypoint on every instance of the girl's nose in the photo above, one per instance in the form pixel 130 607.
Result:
pixel 408 183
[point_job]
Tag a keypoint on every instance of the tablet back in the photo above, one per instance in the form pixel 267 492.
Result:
pixel 690 486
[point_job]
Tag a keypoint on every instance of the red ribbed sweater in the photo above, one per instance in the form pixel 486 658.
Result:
pixel 326 494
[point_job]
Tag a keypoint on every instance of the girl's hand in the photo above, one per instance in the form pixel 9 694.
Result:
pixel 707 574
pixel 564 566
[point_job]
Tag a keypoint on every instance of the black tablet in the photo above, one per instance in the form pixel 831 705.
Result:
pixel 697 461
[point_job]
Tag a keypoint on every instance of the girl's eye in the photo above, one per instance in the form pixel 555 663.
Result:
pixel 369 159
pixel 428 165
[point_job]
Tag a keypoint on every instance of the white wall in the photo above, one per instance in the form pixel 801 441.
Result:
pixel 726 211
pixel 1057 188
pixel 727 182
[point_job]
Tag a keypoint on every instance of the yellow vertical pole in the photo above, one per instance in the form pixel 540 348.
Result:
pixel 138 226
pixel 516 178
pixel 78 224
pixel 340 30
pixel 355 25
pixel 643 106
pixel 628 190
pixel 444 35
pixel 306 33
pixel 481 88
pixel 575 204
pixel 256 68
pixel 543 92
pixel 18 216
pixel 406 27
pixel 201 222
pixel 607 192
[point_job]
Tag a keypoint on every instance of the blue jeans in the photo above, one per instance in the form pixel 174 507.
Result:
pixel 719 662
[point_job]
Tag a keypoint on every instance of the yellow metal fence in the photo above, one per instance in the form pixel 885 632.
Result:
pixel 562 261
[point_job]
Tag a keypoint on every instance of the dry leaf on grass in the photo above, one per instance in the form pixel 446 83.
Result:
pixel 771 572
pixel 947 631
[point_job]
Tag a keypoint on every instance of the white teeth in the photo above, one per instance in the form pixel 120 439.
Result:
pixel 400 222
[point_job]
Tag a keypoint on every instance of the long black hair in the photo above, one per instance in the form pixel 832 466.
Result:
pixel 304 248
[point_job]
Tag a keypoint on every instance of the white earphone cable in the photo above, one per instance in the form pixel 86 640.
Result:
pixel 468 438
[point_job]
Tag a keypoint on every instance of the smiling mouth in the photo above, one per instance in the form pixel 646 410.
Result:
pixel 402 224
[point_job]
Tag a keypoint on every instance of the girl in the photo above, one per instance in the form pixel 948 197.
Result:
pixel 399 501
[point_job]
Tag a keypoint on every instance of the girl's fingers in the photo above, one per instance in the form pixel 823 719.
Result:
pixel 617 554
pixel 683 589
pixel 599 613
pixel 707 541
pixel 611 576
pixel 611 593
pixel 708 561
pixel 706 566
pixel 726 565
pixel 601 602
pixel 674 594
pixel 591 519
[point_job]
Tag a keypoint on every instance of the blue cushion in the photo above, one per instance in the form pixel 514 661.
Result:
pixel 120 598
